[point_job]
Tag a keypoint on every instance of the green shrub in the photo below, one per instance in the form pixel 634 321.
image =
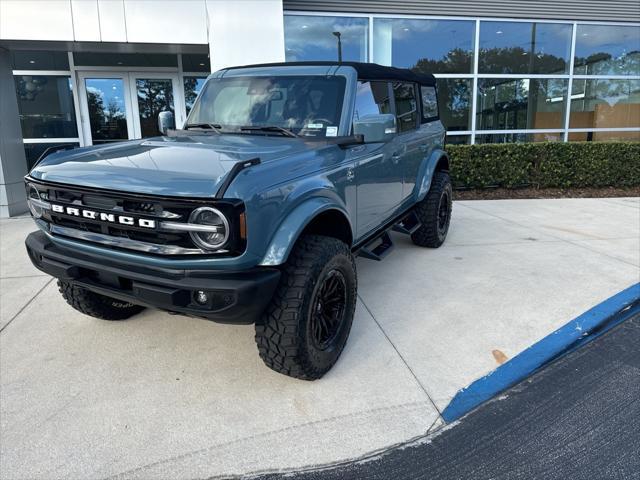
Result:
pixel 546 165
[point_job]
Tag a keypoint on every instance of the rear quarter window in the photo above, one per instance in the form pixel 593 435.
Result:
pixel 429 103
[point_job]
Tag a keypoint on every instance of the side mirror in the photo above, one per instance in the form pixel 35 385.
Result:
pixel 166 122
pixel 376 128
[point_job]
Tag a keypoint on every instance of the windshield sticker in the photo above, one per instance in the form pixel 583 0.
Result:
pixel 332 132
pixel 314 125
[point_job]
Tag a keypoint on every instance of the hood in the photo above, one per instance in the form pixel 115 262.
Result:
pixel 189 166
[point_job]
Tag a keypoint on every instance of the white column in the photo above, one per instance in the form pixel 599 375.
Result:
pixel 243 32
pixel 13 165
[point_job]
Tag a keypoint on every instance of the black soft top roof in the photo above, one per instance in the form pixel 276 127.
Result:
pixel 366 71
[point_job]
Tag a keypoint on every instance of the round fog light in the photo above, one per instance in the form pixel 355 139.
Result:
pixel 201 297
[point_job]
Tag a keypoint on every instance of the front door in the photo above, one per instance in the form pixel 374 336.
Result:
pixel 125 105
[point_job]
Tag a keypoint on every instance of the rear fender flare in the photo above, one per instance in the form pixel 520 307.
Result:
pixel 425 174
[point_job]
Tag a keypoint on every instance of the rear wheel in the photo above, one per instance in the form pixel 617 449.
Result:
pixel 96 305
pixel 434 212
pixel 305 327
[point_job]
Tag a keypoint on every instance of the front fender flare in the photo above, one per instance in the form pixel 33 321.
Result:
pixel 425 174
pixel 290 229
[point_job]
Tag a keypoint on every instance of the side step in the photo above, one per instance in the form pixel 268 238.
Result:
pixel 381 249
pixel 408 225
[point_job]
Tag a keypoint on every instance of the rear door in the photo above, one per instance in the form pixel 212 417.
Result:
pixel 378 176
pixel 408 152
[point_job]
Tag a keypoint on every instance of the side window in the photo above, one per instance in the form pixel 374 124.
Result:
pixel 371 98
pixel 406 105
pixel 429 103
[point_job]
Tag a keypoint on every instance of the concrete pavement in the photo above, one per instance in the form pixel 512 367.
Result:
pixel 166 396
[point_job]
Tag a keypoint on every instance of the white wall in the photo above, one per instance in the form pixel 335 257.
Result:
pixel 245 31
pixel 135 21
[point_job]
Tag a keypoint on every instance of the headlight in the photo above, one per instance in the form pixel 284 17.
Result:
pixel 212 238
pixel 36 205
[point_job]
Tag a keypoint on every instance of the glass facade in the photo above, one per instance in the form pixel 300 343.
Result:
pixel 605 103
pixel 520 79
pixel 520 104
pixel 523 47
pixel 319 38
pixel 433 46
pixel 606 50
pixel 45 105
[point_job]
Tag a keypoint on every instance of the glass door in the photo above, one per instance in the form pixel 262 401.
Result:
pixel 153 93
pixel 105 107
pixel 125 105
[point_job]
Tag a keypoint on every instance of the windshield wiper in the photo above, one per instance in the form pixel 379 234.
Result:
pixel 211 126
pixel 269 128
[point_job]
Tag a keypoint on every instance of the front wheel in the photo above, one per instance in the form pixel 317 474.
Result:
pixel 434 212
pixel 305 327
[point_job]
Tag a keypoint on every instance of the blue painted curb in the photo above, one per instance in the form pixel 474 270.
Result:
pixel 582 329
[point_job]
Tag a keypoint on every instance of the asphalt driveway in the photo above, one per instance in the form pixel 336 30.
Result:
pixel 163 396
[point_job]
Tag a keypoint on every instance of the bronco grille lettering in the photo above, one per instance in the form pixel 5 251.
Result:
pixel 104 217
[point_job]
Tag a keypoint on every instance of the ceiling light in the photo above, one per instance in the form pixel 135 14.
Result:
pixel 406 29
pixel 201 64
pixel 499 32
pixel 32 61
pixel 305 26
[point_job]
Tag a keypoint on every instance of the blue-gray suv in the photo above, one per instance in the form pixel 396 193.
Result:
pixel 254 211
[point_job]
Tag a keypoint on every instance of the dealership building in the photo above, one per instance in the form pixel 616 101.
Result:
pixel 88 72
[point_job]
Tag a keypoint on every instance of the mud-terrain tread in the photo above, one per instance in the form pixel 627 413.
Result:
pixel 96 305
pixel 277 334
pixel 427 210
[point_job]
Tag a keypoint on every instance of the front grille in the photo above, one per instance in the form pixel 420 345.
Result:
pixel 115 206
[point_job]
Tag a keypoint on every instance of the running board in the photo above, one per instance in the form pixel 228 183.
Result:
pixel 380 250
pixel 408 225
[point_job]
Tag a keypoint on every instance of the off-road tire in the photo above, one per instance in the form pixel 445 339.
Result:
pixel 284 334
pixel 433 231
pixel 96 305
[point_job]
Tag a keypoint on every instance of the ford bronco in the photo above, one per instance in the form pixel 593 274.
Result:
pixel 254 210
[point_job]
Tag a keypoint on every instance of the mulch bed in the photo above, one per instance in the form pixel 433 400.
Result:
pixel 507 193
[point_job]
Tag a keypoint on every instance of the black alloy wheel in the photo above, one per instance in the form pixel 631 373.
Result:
pixel 328 309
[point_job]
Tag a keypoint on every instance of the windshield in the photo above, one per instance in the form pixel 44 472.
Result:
pixel 305 105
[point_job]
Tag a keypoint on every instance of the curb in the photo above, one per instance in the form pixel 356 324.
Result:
pixel 570 336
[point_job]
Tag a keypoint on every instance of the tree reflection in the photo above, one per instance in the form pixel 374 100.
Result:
pixel 107 123
pixel 154 96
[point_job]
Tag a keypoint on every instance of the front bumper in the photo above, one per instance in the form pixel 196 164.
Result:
pixel 234 297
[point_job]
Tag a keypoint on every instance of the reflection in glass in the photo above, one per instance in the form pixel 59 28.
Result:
pixel 107 112
pixel 196 62
pixel 32 151
pixel 312 38
pixel 607 50
pixel 192 86
pixel 518 137
pixel 605 104
pixel 505 104
pixel 432 46
pixel 406 106
pixel 458 139
pixel 372 98
pixel 454 103
pixel 104 59
pixel 45 105
pixel 154 96
pixel 39 60
pixel 604 136
pixel 524 47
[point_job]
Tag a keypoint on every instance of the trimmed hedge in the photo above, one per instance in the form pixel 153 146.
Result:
pixel 546 165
